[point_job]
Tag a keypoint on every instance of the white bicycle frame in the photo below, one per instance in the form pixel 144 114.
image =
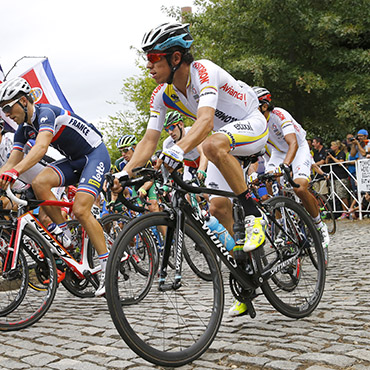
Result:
pixel 79 268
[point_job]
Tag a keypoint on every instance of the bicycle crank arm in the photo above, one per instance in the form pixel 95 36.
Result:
pixel 90 278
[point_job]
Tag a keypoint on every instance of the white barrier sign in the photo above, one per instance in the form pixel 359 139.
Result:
pixel 363 174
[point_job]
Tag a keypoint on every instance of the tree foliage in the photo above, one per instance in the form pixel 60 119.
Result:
pixel 312 55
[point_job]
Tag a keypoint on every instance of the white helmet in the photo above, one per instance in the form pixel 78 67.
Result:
pixel 166 36
pixel 263 95
pixel 10 89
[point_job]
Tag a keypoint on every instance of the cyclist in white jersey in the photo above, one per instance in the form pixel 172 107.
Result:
pixel 210 96
pixel 195 162
pixel 289 147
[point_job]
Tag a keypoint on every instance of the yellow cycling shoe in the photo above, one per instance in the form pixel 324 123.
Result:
pixel 255 233
pixel 238 309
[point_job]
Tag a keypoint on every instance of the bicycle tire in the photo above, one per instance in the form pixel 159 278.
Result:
pixel 169 335
pixel 326 212
pixel 136 271
pixel 296 289
pixel 35 303
pixel 196 261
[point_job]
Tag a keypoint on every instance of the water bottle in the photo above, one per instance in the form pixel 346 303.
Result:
pixel 222 234
pixel 59 235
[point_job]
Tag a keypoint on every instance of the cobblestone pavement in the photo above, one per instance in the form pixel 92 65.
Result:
pixel 79 334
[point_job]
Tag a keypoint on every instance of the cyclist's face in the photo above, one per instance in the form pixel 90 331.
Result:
pixel 160 70
pixel 175 133
pixel 14 110
pixel 127 153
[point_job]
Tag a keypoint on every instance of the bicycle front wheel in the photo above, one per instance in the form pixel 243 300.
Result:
pixel 37 269
pixel 171 326
pixel 294 253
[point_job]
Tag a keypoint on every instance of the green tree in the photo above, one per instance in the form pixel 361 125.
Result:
pixel 312 55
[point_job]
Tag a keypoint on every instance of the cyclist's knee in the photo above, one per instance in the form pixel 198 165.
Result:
pixel 215 146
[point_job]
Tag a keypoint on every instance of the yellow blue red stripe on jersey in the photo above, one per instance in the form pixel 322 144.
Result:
pixel 171 100
pixel 241 140
pixel 273 145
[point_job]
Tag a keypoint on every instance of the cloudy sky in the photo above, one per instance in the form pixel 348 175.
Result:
pixel 87 43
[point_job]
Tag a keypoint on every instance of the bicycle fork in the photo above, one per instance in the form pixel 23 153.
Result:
pixel 174 236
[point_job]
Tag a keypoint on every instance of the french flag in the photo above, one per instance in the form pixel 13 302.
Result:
pixel 45 88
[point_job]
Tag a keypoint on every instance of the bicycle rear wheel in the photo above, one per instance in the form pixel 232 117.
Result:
pixel 170 327
pixel 296 287
pixel 39 275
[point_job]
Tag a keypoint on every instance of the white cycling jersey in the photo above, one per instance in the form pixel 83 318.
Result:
pixel 208 86
pixel 190 159
pixel 6 147
pixel 281 123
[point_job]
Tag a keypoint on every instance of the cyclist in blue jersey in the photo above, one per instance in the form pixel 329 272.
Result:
pixel 86 159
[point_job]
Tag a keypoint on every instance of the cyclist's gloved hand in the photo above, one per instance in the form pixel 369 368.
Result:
pixel 284 168
pixel 252 177
pixel 121 176
pixel 10 176
pixel 172 156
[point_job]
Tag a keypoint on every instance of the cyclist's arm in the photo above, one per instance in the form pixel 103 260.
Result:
pixel 36 153
pixel 15 157
pixel 200 129
pixel 144 150
pixel 203 161
pixel 291 140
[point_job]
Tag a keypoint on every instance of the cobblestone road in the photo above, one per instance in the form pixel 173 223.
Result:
pixel 76 334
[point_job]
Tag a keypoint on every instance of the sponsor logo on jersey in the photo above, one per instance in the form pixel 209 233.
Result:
pixel 36 94
pixel 155 92
pixel 202 71
pixel 195 94
pixel 235 94
pixel 100 170
pixel 243 126
pixel 31 134
pixel 175 98
pixel 80 126
pixel 279 114
pixel 224 117
pixel 43 119
pixel 213 185
pixel 276 131
pixel 94 183
pixel 208 93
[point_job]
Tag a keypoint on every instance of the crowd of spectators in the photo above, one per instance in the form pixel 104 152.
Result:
pixel 349 150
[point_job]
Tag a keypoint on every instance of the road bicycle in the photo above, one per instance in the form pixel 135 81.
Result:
pixel 183 312
pixel 28 272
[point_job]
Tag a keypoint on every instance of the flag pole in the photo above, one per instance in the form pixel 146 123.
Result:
pixel 19 61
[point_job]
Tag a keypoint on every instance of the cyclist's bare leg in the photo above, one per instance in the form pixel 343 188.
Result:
pixel 217 150
pixel 308 200
pixel 221 208
pixel 82 210
pixel 42 185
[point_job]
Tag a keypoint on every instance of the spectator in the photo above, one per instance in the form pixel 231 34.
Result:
pixel 365 201
pixel 341 182
pixel 348 141
pixel 360 145
pixel 319 157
